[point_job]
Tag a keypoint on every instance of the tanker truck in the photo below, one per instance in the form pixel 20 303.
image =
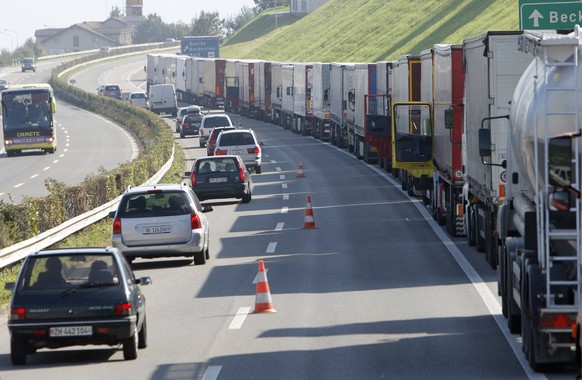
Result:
pixel 538 225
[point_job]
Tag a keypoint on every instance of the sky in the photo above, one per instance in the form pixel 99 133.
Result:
pixel 21 18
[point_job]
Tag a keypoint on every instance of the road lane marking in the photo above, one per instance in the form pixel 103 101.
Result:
pixel 33 176
pixel 17 186
pixel 284 185
pixel 278 169
pixel 239 318
pixel 212 372
pixel 47 168
pixel 55 161
pixel 271 247
pixel 285 197
pixel 282 176
pixel 279 226
pixel 284 210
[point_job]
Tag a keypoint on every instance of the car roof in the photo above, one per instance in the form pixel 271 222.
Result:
pixel 239 130
pixel 76 251
pixel 216 115
pixel 217 157
pixel 159 186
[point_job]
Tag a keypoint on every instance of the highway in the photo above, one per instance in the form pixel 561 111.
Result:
pixel 376 290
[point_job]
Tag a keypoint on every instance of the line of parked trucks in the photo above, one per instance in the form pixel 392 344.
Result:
pixel 486 133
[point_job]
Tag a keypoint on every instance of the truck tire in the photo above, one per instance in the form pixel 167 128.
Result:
pixel 479 227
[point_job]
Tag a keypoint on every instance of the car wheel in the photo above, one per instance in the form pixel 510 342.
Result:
pixel 182 135
pixel 258 170
pixel 202 144
pixel 143 335
pixel 200 258
pixel 207 252
pixel 17 352
pixel 246 198
pixel 130 346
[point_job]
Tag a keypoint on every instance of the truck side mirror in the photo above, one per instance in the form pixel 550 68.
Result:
pixel 449 117
pixel 484 142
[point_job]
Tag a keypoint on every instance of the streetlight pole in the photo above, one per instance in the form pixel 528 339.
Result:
pixel 15 33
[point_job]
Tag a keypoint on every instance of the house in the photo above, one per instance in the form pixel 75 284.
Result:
pixel 85 36
pixel 304 7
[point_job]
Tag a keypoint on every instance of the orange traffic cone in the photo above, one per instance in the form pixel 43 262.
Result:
pixel 300 173
pixel 309 220
pixel 263 302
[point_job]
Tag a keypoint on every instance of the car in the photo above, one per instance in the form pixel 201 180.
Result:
pixel 163 220
pixel 218 177
pixel 138 99
pixel 211 143
pixel 105 49
pixel 242 142
pixel 209 121
pixel 190 125
pixel 4 84
pixel 76 296
pixel 180 116
pixel 28 64
pixel 110 91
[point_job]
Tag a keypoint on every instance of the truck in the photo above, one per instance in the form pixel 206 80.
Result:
pixel 231 87
pixel 340 84
pixel 320 94
pixel 539 222
pixel 263 79
pixel 213 82
pixel 200 46
pixel 365 104
pixel 246 75
pixel 411 129
pixel 302 101
pixel 276 93
pixel 287 102
pixel 442 84
pixel 376 132
pixel 493 67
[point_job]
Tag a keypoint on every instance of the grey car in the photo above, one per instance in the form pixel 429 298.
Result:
pixel 76 297
pixel 163 220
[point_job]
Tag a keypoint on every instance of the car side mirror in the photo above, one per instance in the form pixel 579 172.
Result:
pixel 111 214
pixel 207 208
pixel 145 281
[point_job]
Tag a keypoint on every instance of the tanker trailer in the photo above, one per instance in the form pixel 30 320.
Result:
pixel 538 223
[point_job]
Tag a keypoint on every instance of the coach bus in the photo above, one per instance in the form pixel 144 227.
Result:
pixel 27 118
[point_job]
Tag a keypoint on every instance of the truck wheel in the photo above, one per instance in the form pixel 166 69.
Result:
pixel 478 227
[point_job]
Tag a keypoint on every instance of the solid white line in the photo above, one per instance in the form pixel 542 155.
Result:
pixel 212 372
pixel 279 226
pixel 284 210
pixel 239 318
pixel 271 247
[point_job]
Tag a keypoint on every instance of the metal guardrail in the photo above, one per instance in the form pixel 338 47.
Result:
pixel 17 252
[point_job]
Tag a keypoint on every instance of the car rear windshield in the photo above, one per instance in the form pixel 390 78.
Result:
pixel 216 122
pixel 138 96
pixel 193 118
pixel 152 204
pixel 111 88
pixel 50 272
pixel 224 164
pixel 232 139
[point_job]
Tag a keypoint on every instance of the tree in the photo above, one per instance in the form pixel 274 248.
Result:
pixel 151 30
pixel 116 12
pixel 206 24
pixel 234 23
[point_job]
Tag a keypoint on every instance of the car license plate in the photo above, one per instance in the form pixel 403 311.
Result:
pixel 217 180
pixel 237 151
pixel 71 331
pixel 157 230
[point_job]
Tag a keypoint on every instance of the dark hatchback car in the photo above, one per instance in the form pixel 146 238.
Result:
pixel 190 125
pixel 76 296
pixel 211 144
pixel 214 177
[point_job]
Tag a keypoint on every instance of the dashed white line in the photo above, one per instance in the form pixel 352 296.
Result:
pixel 33 176
pixel 20 184
pixel 282 176
pixel 278 169
pixel 285 210
pixel 285 197
pixel 271 247
pixel 284 185
pixel 239 318
pixel 279 226
pixel 47 168
pixel 55 161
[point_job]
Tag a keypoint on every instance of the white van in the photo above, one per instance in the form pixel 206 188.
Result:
pixel 162 98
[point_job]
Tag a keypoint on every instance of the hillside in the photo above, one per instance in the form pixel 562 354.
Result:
pixel 369 30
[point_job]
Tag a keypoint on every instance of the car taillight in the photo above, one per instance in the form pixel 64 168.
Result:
pixel 193 178
pixel 185 124
pixel 220 152
pixel 18 313
pixel 122 309
pixel 242 173
pixel 195 221
pixel 117 226
pixel 255 150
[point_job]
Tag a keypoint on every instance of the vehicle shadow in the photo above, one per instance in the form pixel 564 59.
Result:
pixel 160 263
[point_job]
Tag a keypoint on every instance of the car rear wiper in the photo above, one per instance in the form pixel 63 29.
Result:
pixel 85 285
